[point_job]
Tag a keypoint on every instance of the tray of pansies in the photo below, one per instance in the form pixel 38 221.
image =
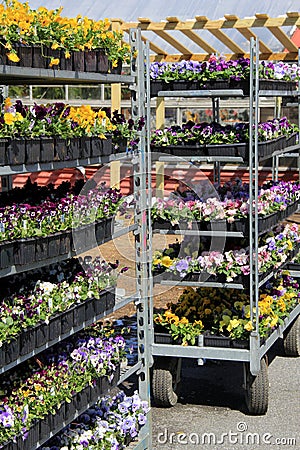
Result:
pixel 120 412
pixel 32 233
pixel 217 73
pixel 179 262
pixel 54 306
pixel 221 318
pixel 227 208
pixel 214 139
pixel 68 379
pixel 52 133
pixel 97 49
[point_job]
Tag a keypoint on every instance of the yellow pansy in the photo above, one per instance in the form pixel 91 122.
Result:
pixel 248 326
pixel 166 261
pixel 234 323
pixel 13 57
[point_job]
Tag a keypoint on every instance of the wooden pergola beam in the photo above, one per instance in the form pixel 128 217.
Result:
pixel 192 29
pixel 246 32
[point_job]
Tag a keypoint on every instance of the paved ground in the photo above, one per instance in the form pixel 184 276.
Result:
pixel 212 401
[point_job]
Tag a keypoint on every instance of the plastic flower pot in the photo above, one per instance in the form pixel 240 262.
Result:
pixel 41 249
pixel 41 334
pixel 54 327
pixel 109 227
pixel 73 148
pixel 65 242
pixel 90 61
pixel 6 254
pixel 10 351
pixel 27 341
pixel 160 224
pixel 45 427
pixel 117 68
pixel 4 142
pixel 240 343
pixel 82 399
pixel 89 310
pixel 120 146
pixel 78 314
pixel 96 146
pixel 24 251
pixel 110 299
pixel 100 304
pixel 52 54
pixel 85 147
pixel 60 149
pixel 57 419
pixel 102 61
pixel 47 149
pixel 215 84
pixel 16 152
pixel 107 146
pixel 165 338
pixel 53 245
pixel 65 63
pixel 33 151
pixel 67 321
pixel 100 231
pixel 188 150
pixel 39 59
pixel 221 149
pixel 291 140
pixel 70 408
pixel 32 437
pixel 216 341
pixel 78 61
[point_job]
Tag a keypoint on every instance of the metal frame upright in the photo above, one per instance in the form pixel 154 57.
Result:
pixel 140 108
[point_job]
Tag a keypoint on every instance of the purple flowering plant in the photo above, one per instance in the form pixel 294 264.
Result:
pixel 109 424
pixel 58 374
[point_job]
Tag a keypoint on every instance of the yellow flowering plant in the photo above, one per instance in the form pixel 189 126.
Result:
pixel 21 25
pixel 224 313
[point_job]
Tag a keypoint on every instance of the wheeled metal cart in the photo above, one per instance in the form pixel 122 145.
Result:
pixel 168 357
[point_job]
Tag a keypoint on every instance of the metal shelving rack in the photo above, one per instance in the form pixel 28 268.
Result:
pixel 255 368
pixel 136 81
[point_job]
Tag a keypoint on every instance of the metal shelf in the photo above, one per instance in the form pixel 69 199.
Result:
pixel 201 233
pixel 13 270
pixel 277 93
pixel 27 75
pixel 207 159
pixel 203 93
pixel 120 303
pixel 203 284
pixel 56 165
pixel 223 353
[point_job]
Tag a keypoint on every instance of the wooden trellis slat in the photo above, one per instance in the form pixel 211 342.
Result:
pixel 192 29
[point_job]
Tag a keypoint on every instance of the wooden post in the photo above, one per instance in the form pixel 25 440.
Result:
pixel 160 179
pixel 160 113
pixel 115 167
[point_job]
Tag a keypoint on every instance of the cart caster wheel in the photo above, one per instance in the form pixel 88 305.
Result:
pixel 165 381
pixel 291 341
pixel 257 389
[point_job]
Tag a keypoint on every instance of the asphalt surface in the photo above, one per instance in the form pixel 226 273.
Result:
pixel 211 412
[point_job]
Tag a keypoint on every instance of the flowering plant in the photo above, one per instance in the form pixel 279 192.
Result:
pixel 57 119
pixel 108 425
pixel 25 220
pixel 43 298
pixel 19 24
pixel 218 68
pixel 126 129
pixel 232 204
pixel 219 312
pixel 55 379
pixel 204 133
pixel 273 251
